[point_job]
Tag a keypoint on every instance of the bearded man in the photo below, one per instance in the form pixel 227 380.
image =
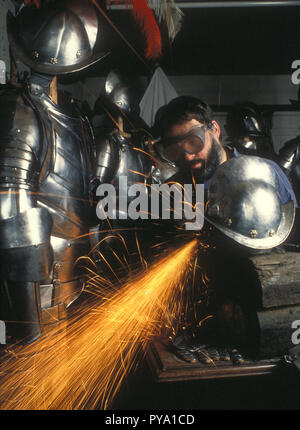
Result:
pixel 249 207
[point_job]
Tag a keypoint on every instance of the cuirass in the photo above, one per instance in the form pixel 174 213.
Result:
pixel 67 170
pixel 64 190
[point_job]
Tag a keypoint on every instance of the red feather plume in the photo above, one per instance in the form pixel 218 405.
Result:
pixel 36 3
pixel 145 18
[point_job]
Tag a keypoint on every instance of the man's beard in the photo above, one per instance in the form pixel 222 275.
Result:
pixel 209 166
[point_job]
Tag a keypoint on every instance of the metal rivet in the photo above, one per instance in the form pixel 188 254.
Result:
pixel 53 60
pixel 35 54
pixel 271 232
pixel 78 53
pixel 228 222
pixel 253 233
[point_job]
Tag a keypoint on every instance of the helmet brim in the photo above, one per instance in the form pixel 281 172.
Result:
pixel 284 229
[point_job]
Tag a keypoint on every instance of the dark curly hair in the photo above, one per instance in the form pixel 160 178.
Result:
pixel 179 111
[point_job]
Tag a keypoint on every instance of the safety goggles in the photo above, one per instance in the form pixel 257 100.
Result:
pixel 189 143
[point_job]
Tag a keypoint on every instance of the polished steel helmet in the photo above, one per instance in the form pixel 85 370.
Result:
pixel 244 203
pixel 248 129
pixel 122 91
pixel 57 38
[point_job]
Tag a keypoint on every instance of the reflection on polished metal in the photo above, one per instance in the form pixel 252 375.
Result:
pixel 29 228
pixel 45 174
pixel 63 43
pixel 249 144
pixel 119 90
pixel 248 130
pixel 289 159
pixel 246 190
pixel 118 157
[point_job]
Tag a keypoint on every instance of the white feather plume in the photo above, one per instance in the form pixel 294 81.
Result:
pixel 168 11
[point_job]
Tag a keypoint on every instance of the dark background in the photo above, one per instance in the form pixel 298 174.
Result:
pixel 246 40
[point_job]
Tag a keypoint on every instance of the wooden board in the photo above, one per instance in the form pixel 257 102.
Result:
pixel 279 278
pixel 167 367
pixel 276 329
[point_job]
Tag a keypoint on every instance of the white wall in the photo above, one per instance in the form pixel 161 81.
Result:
pixel 225 90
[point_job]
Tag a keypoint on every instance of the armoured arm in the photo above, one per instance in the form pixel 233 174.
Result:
pixel 24 227
pixel 25 250
pixel 107 159
pixel 289 154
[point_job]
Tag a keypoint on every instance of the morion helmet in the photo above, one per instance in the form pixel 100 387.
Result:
pixel 57 38
pixel 244 203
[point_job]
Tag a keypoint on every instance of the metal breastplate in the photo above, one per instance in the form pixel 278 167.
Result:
pixel 64 192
